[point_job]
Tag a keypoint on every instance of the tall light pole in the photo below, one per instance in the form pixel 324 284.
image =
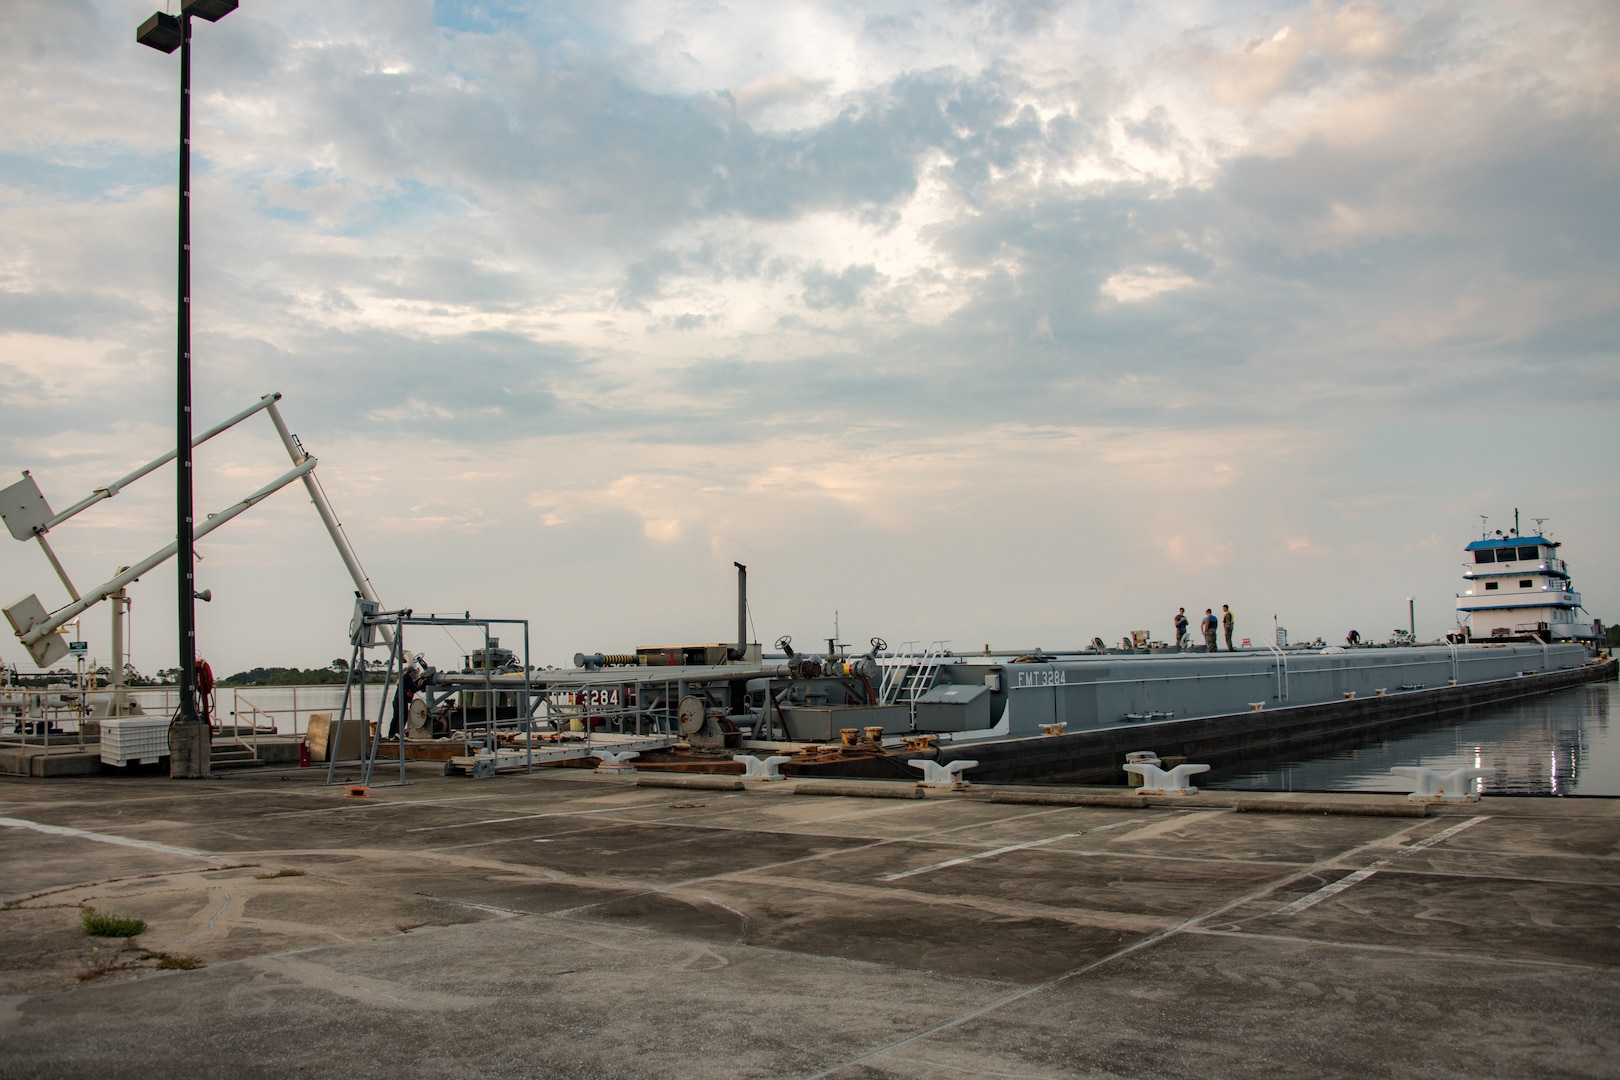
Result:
pixel 189 736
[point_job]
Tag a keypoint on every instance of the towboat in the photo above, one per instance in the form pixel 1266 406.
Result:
pixel 1519 589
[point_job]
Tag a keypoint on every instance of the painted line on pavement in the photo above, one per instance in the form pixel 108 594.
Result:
pixel 102 838
pixel 973 858
pixel 1334 888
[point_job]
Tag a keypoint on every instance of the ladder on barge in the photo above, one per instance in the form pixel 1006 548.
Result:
pixel 909 673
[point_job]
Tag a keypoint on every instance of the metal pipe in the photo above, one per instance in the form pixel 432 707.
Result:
pixel 101 592
pixel 742 611
pixel 118 485
pixel 612 677
pixel 120 699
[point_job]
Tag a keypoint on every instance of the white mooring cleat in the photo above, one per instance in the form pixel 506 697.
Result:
pixel 615 763
pixel 761 769
pixel 1433 785
pixel 1156 781
pixel 936 775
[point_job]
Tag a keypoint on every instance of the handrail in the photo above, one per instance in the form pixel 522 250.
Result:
pixel 1281 658
pixel 295 711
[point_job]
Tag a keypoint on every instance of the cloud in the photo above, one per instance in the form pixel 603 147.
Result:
pixel 655 280
pixel 842 290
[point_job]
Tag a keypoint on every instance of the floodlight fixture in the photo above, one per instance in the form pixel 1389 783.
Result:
pixel 161 32
pixel 212 10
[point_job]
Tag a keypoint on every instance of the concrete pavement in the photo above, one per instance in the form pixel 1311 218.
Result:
pixel 567 924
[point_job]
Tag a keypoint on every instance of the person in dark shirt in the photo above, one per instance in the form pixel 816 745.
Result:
pixel 410 684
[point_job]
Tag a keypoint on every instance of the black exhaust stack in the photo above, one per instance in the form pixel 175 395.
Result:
pixel 741 651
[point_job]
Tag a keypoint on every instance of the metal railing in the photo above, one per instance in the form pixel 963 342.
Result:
pixel 52 716
pixel 909 673
pixel 291 719
pixel 32 717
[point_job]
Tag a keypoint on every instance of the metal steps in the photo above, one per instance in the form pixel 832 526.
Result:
pixel 231 756
pixel 910 674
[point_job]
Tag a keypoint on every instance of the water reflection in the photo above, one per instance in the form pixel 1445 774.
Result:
pixel 1556 745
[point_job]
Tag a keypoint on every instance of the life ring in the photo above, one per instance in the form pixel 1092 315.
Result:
pixel 204 677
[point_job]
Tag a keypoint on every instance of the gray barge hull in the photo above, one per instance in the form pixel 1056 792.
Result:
pixel 1239 737
pixel 1105 691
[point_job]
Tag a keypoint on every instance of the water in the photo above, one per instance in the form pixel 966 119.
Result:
pixel 1561 744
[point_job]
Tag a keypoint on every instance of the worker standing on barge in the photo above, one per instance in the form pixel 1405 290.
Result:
pixel 1208 625
pixel 1228 620
pixel 1181 628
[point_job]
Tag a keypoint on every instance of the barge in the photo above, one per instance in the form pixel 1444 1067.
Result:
pixel 1025 716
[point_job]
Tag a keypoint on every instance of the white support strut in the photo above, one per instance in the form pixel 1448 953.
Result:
pixel 334 528
pixel 116 486
pixel 65 615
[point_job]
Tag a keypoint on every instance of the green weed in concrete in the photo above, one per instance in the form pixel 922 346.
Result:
pixel 105 924
pixel 171 962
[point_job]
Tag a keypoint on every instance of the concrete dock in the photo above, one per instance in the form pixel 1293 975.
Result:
pixel 575 925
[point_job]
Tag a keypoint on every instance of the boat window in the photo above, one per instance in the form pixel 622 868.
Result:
pixel 1525 584
pixel 1491 584
pixel 1527 553
pixel 1484 555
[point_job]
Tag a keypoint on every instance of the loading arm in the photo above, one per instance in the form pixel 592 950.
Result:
pixel 35 631
pixel 334 528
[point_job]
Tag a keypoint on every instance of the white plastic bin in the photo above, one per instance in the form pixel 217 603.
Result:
pixel 129 739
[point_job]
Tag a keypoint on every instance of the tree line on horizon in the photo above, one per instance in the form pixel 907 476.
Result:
pixel 335 672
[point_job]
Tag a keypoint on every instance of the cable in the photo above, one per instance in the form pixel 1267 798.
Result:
pixel 460 649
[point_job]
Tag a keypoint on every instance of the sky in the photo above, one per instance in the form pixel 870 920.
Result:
pixel 1006 324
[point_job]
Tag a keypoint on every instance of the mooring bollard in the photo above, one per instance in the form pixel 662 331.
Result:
pixel 615 763
pixel 756 769
pixel 1432 785
pixel 1156 781
pixel 948 777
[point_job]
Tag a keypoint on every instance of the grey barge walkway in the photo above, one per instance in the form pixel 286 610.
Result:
pixel 566 924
